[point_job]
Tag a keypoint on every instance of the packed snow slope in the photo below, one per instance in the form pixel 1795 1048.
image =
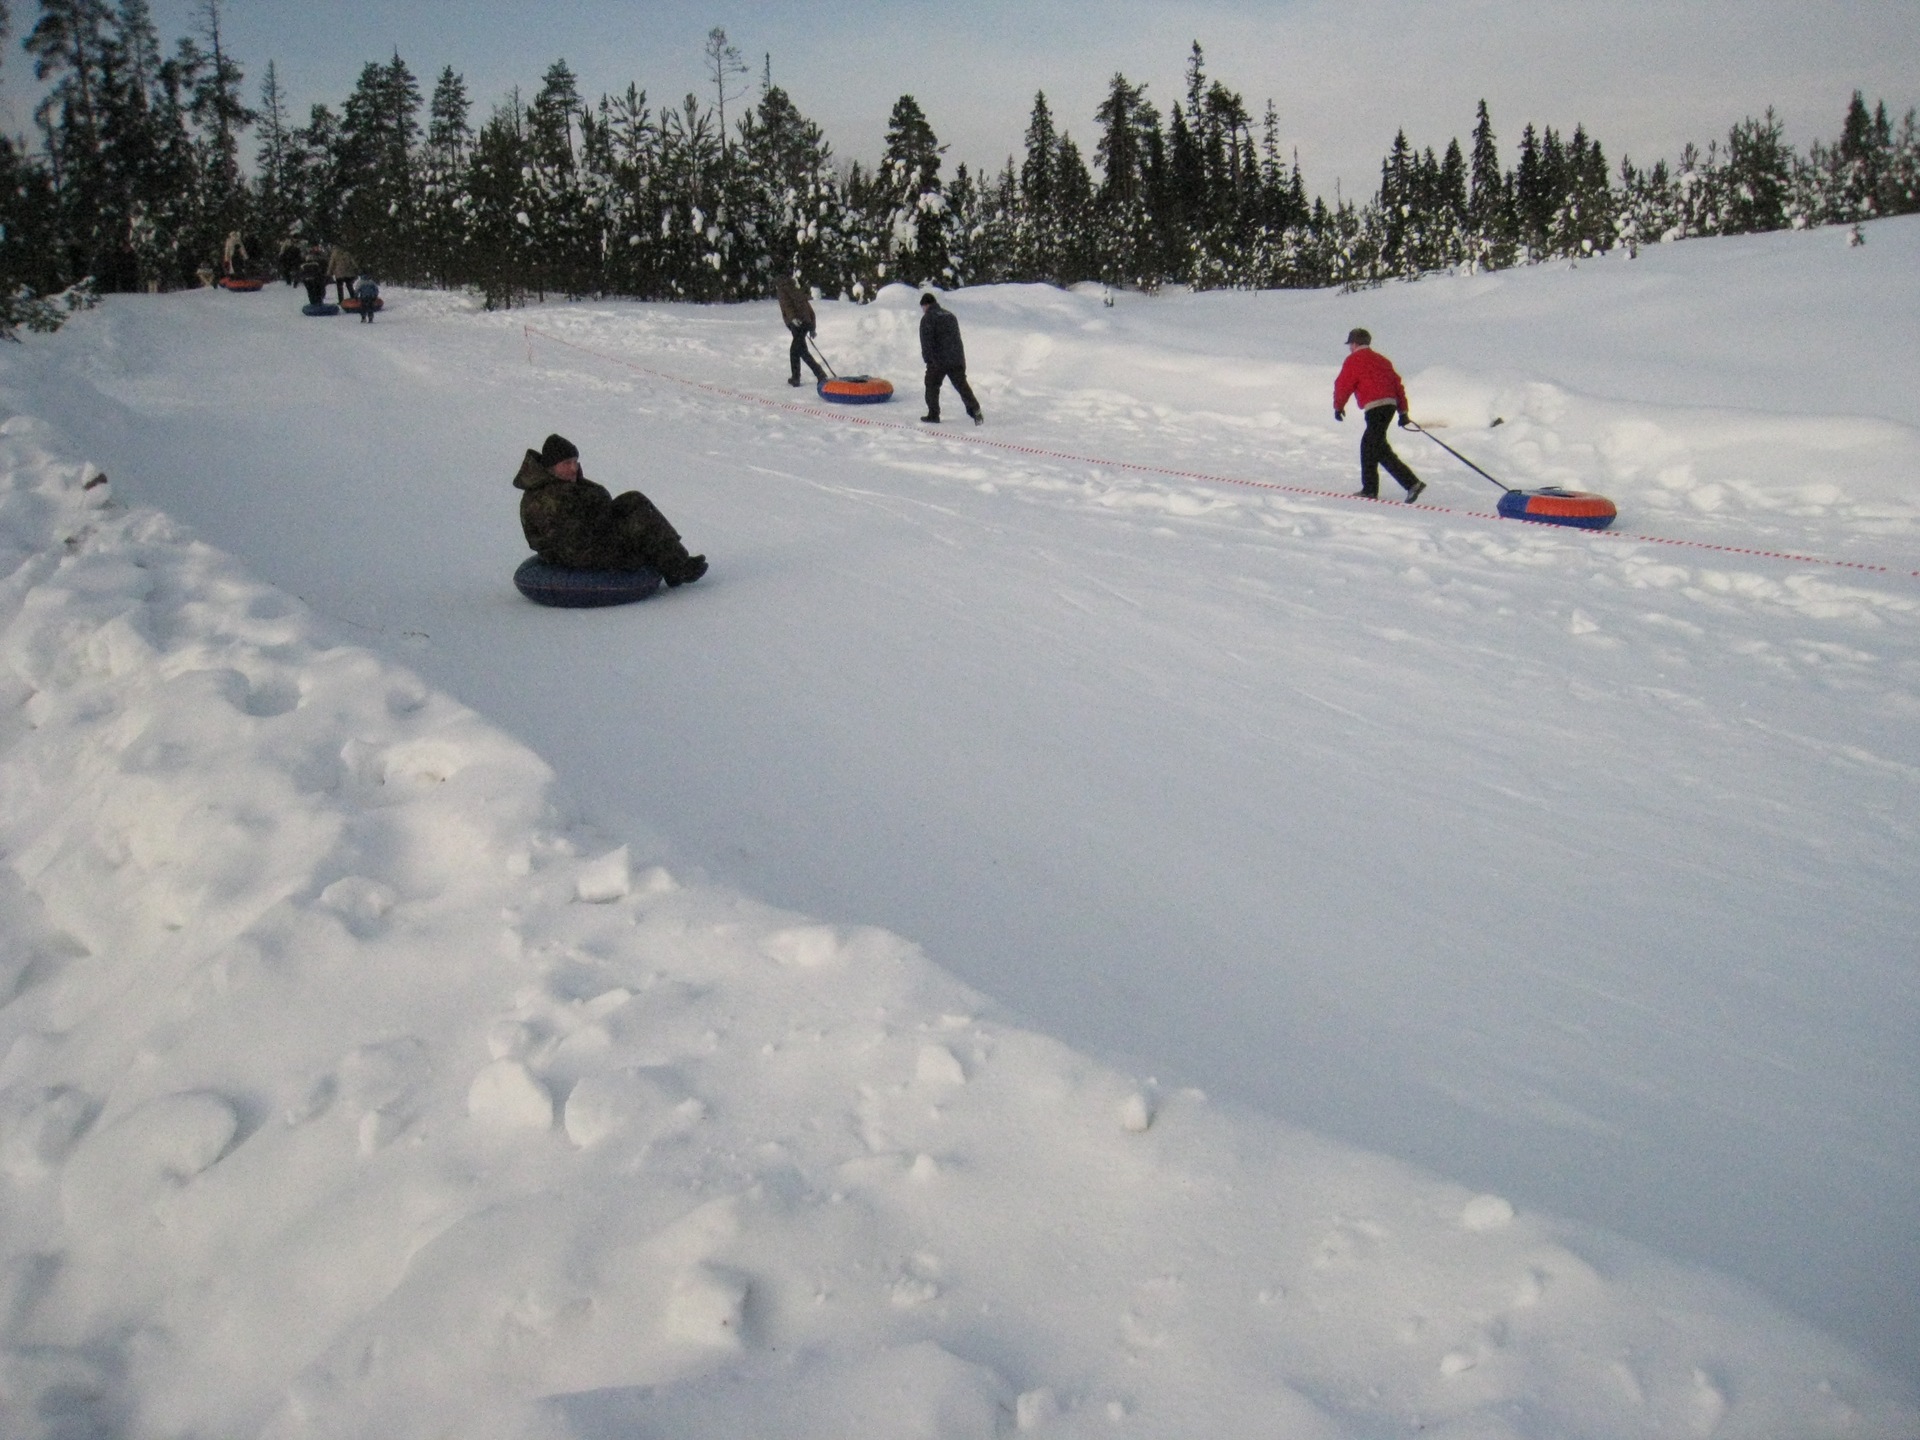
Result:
pixel 348 1083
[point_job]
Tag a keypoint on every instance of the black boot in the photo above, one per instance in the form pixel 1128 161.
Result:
pixel 687 571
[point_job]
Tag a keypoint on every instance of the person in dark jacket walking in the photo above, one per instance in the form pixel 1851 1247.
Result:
pixel 797 311
pixel 577 525
pixel 1369 377
pixel 367 291
pixel 946 359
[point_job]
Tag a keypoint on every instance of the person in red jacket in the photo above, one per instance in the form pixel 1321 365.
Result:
pixel 1369 377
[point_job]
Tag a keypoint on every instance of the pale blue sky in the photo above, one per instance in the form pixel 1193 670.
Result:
pixel 1643 75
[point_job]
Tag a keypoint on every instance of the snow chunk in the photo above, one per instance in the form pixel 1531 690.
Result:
pixel 1035 1408
pixel 383 1077
pixel 506 1096
pixel 708 1306
pixel 806 947
pixel 605 880
pixel 937 1065
pixel 1136 1113
pixel 642 1103
pixel 360 902
pixel 1487 1212
pixel 157 1148
pixel 41 1139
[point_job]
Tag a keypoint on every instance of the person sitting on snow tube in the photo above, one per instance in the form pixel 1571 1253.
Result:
pixel 575 524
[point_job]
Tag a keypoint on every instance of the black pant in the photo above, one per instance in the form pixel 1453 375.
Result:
pixel 341 285
pixel 957 374
pixel 797 352
pixel 646 536
pixel 316 292
pixel 1376 450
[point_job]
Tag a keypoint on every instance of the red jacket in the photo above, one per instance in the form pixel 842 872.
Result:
pixel 1369 377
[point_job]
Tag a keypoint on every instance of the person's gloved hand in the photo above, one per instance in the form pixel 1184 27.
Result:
pixel 1404 421
pixel 1338 413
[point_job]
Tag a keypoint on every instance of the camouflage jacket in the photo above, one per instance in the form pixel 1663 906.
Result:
pixel 578 525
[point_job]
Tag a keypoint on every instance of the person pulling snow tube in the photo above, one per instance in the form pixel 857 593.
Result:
pixel 856 390
pixel 320 307
pixel 240 283
pixel 546 584
pixel 1554 506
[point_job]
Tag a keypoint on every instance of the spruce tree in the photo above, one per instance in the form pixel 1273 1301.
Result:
pixel 1758 176
pixel 910 212
pixel 441 220
pixel 1040 220
pixel 1125 253
pixel 276 205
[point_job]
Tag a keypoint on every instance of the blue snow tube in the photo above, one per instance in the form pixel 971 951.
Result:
pixel 855 390
pixel 546 584
pixel 321 309
pixel 1554 506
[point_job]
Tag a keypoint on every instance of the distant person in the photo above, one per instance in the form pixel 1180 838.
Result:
pixel 341 269
pixel 313 274
pixel 946 359
pixel 289 260
pixel 368 294
pixel 797 311
pixel 577 525
pixel 1369 377
pixel 233 254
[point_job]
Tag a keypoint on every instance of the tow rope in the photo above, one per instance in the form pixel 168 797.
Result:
pixel 835 413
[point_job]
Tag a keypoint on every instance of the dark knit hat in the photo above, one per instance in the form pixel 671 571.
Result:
pixel 1359 337
pixel 926 297
pixel 558 448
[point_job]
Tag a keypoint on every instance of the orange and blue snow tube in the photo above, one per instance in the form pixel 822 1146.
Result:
pixel 856 390
pixel 1554 506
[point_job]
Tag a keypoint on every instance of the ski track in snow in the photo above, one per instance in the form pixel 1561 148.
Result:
pixel 351 1081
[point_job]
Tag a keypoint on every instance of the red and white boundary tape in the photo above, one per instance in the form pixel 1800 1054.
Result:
pixel 834 412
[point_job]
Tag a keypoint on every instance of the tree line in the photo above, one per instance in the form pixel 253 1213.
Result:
pixel 135 179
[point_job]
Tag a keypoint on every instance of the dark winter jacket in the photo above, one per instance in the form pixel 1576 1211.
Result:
pixel 940 338
pixel 795 308
pixel 313 269
pixel 578 525
pixel 1369 377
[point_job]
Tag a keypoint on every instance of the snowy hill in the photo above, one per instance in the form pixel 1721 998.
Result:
pixel 1076 927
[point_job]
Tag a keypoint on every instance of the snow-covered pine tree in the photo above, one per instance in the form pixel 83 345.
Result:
pixel 907 210
pixel 442 215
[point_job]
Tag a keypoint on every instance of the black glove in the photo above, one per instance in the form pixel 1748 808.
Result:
pixel 1404 421
pixel 1338 413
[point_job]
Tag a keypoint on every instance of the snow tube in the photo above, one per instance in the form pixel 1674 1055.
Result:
pixel 856 390
pixel 236 282
pixel 1554 506
pixel 546 584
pixel 352 302
pixel 320 309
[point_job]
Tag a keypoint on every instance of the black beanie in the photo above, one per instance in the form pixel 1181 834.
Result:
pixel 1355 337
pixel 558 448
pixel 926 298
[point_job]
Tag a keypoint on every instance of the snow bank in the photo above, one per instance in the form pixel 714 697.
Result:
pixel 348 1087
